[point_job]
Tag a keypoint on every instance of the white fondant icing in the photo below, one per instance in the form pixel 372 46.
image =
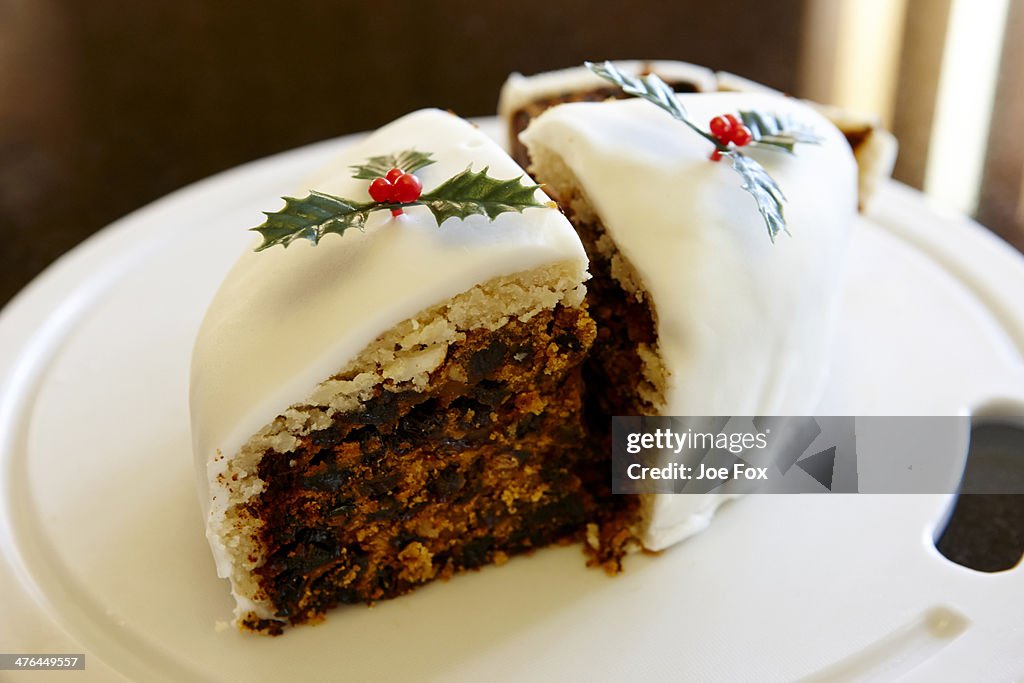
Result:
pixel 744 325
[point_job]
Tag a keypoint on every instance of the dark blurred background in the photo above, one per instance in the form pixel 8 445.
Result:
pixel 106 106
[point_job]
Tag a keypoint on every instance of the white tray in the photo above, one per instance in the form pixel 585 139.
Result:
pixel 103 544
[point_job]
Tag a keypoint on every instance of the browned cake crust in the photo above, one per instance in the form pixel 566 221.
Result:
pixel 613 373
pixel 491 459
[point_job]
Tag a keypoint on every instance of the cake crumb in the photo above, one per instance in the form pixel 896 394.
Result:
pixel 417 563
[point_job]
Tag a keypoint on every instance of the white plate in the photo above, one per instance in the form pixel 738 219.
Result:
pixel 104 549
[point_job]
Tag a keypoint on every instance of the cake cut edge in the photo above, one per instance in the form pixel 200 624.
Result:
pixel 647 528
pixel 402 358
pixel 574 141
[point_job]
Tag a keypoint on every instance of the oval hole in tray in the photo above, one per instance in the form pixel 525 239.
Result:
pixel 985 531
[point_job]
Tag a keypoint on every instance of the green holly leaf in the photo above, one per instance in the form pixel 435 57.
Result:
pixel 311 218
pixel 375 167
pixel 651 88
pixel 777 132
pixel 766 129
pixel 465 194
pixel 476 193
pixel 763 189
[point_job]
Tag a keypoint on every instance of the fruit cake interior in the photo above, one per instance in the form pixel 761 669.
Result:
pixel 476 460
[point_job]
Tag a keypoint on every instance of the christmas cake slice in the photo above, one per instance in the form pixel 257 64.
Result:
pixel 380 410
pixel 716 227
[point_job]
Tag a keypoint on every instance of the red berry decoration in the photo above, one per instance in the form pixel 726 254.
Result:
pixel 742 136
pixel 721 128
pixel 396 187
pixel 381 190
pixel 729 129
pixel 407 188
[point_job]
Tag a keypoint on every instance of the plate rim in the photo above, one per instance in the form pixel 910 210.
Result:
pixel 48 306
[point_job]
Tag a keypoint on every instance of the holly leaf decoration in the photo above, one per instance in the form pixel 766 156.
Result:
pixel 766 129
pixel 649 86
pixel 476 193
pixel 466 194
pixel 311 218
pixel 764 190
pixel 407 161
pixel 777 132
